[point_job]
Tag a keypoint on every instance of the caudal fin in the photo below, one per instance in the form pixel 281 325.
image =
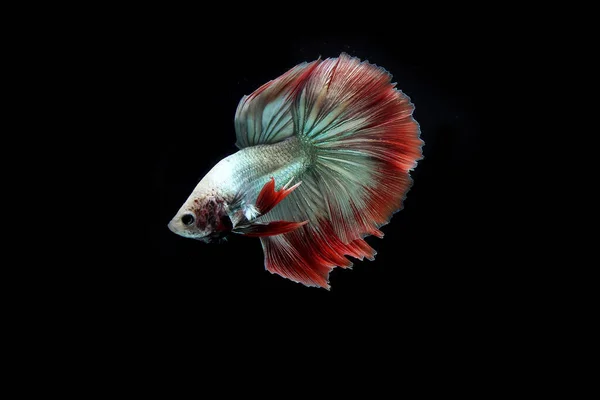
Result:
pixel 363 143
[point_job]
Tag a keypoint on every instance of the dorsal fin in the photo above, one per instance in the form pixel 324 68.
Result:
pixel 265 116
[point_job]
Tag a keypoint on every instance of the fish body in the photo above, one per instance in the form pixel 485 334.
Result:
pixel 243 173
pixel 324 160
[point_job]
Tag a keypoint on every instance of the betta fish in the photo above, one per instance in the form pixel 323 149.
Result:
pixel 324 160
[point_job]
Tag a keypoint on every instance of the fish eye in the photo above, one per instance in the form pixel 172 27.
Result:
pixel 187 219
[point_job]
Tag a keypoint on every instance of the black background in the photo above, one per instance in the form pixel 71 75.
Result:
pixel 166 90
pixel 156 99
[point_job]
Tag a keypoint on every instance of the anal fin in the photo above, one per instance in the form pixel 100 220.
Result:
pixel 307 255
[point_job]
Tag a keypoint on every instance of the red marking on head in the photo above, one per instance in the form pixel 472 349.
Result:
pixel 211 215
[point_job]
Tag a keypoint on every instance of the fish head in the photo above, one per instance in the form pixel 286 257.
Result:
pixel 202 218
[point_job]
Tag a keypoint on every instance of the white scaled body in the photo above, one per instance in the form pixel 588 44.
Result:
pixel 243 173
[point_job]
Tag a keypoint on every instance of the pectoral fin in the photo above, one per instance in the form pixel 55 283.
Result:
pixel 269 198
